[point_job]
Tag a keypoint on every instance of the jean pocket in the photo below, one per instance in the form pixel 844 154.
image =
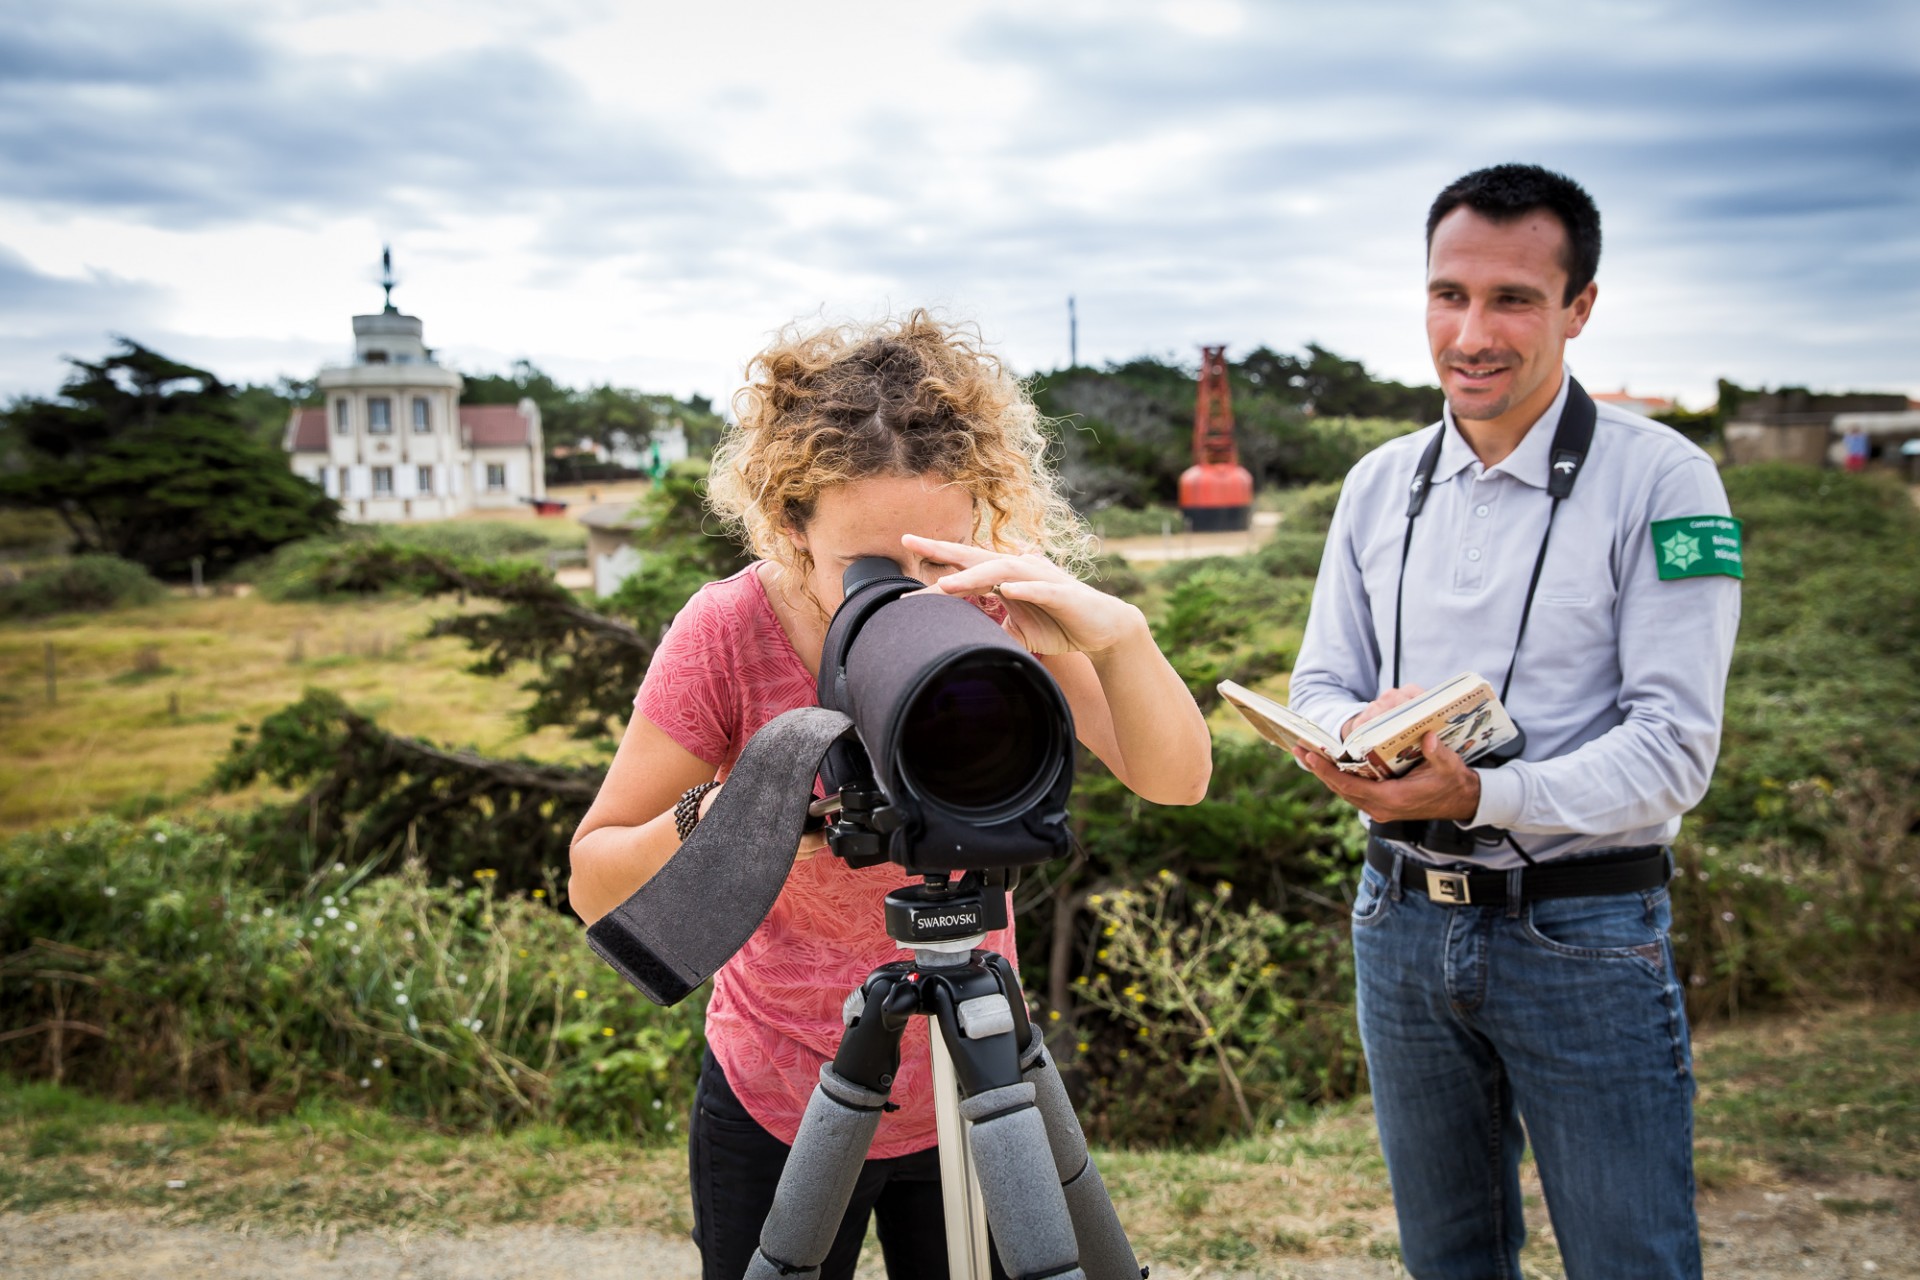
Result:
pixel 1619 926
pixel 1370 902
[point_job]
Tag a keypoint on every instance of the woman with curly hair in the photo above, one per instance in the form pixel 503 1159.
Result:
pixel 903 439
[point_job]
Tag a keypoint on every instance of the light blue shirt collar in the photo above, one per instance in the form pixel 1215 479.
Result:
pixel 1530 459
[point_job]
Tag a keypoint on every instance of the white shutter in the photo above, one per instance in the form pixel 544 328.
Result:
pixel 404 477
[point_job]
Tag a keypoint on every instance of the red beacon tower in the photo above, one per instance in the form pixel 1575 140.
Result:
pixel 1216 492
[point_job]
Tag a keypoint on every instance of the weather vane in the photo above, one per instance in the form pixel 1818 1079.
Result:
pixel 386 275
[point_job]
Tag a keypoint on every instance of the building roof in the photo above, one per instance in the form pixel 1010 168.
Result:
pixel 1626 399
pixel 493 425
pixel 310 431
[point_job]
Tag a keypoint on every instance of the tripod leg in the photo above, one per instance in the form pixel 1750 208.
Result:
pixel 1026 1207
pixel 834 1136
pixel 1105 1253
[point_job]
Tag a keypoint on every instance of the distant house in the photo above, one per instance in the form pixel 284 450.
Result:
pixel 1645 406
pixel 1891 438
pixel 393 441
pixel 1797 425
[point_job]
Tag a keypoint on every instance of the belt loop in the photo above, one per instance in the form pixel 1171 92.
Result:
pixel 1393 881
pixel 1515 893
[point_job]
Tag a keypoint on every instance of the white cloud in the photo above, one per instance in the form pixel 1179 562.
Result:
pixel 641 193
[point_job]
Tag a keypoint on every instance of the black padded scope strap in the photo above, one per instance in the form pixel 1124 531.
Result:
pixel 702 906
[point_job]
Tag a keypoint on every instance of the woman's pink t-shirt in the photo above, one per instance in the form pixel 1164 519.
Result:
pixel 724 669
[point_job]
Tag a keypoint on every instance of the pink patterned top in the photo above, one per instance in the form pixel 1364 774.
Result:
pixel 725 668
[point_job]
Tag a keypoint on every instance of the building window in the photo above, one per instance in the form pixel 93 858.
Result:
pixel 496 477
pixel 383 482
pixel 342 417
pixel 379 416
pixel 341 474
pixel 376 357
pixel 426 480
pixel 422 415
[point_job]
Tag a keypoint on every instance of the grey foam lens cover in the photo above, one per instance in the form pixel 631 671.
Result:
pixel 703 905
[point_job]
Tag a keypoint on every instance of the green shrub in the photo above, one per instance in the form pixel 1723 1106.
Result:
pixel 1292 553
pixel 1245 1007
pixel 302 570
pixel 87 583
pixel 1136 522
pixel 489 539
pixel 457 1004
pixel 1309 508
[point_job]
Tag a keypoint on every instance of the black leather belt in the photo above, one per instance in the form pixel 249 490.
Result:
pixel 1615 871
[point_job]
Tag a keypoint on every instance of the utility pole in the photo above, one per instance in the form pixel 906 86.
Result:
pixel 1073 336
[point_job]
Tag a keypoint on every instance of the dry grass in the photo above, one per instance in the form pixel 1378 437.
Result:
pixel 148 699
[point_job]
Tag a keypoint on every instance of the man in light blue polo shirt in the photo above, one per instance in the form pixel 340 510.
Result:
pixel 1510 931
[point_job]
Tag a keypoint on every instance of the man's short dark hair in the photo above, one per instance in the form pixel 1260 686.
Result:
pixel 1509 191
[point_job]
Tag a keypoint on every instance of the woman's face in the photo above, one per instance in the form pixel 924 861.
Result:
pixel 868 518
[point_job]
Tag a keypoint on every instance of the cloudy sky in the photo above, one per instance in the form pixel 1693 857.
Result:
pixel 640 192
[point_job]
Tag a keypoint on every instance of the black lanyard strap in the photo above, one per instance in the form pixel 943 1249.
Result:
pixel 1572 439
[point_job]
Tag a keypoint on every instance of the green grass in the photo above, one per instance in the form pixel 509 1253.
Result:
pixel 1822 1096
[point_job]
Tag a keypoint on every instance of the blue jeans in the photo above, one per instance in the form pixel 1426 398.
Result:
pixel 1562 1014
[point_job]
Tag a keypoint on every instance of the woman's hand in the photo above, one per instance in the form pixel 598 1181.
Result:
pixel 811 842
pixel 1048 609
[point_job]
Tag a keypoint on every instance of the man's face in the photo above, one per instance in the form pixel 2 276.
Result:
pixel 1495 321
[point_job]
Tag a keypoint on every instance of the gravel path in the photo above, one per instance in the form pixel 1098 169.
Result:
pixel 1864 1227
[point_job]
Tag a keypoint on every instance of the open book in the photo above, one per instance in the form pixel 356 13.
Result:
pixel 1464 711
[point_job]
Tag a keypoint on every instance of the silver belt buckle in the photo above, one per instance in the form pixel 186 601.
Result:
pixel 1448 886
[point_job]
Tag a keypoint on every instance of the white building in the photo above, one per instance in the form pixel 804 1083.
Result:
pixel 393 441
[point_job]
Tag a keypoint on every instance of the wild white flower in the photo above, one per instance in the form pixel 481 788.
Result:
pixel 327 901
pixel 378 1063
pixel 353 928
pixel 159 837
pixel 399 986
pixel 413 1023
pixel 365 1083
pixel 339 866
pixel 318 922
pixel 333 913
pixel 400 999
pixel 407 936
pixel 111 891
pixel 353 950
pixel 266 913
pixel 461 979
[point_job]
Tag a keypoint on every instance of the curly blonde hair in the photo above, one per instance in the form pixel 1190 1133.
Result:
pixel 907 396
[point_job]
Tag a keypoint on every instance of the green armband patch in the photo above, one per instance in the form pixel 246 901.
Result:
pixel 1697 547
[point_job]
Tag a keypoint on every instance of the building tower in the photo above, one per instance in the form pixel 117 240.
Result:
pixel 1216 492
pixel 392 440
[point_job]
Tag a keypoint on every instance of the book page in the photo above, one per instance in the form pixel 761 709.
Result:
pixel 1278 724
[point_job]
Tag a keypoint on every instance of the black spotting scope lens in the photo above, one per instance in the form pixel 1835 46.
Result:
pixel 978 739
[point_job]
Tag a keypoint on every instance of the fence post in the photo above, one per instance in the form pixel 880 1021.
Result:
pixel 52 692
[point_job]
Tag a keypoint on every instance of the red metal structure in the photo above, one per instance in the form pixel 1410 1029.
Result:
pixel 1216 492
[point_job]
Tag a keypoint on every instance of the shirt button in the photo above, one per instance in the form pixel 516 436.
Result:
pixel 1473 553
pixel 1481 509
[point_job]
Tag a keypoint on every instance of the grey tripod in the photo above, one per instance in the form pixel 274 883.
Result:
pixel 1045 1203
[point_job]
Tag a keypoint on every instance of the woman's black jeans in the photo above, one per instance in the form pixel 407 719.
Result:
pixel 734 1166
